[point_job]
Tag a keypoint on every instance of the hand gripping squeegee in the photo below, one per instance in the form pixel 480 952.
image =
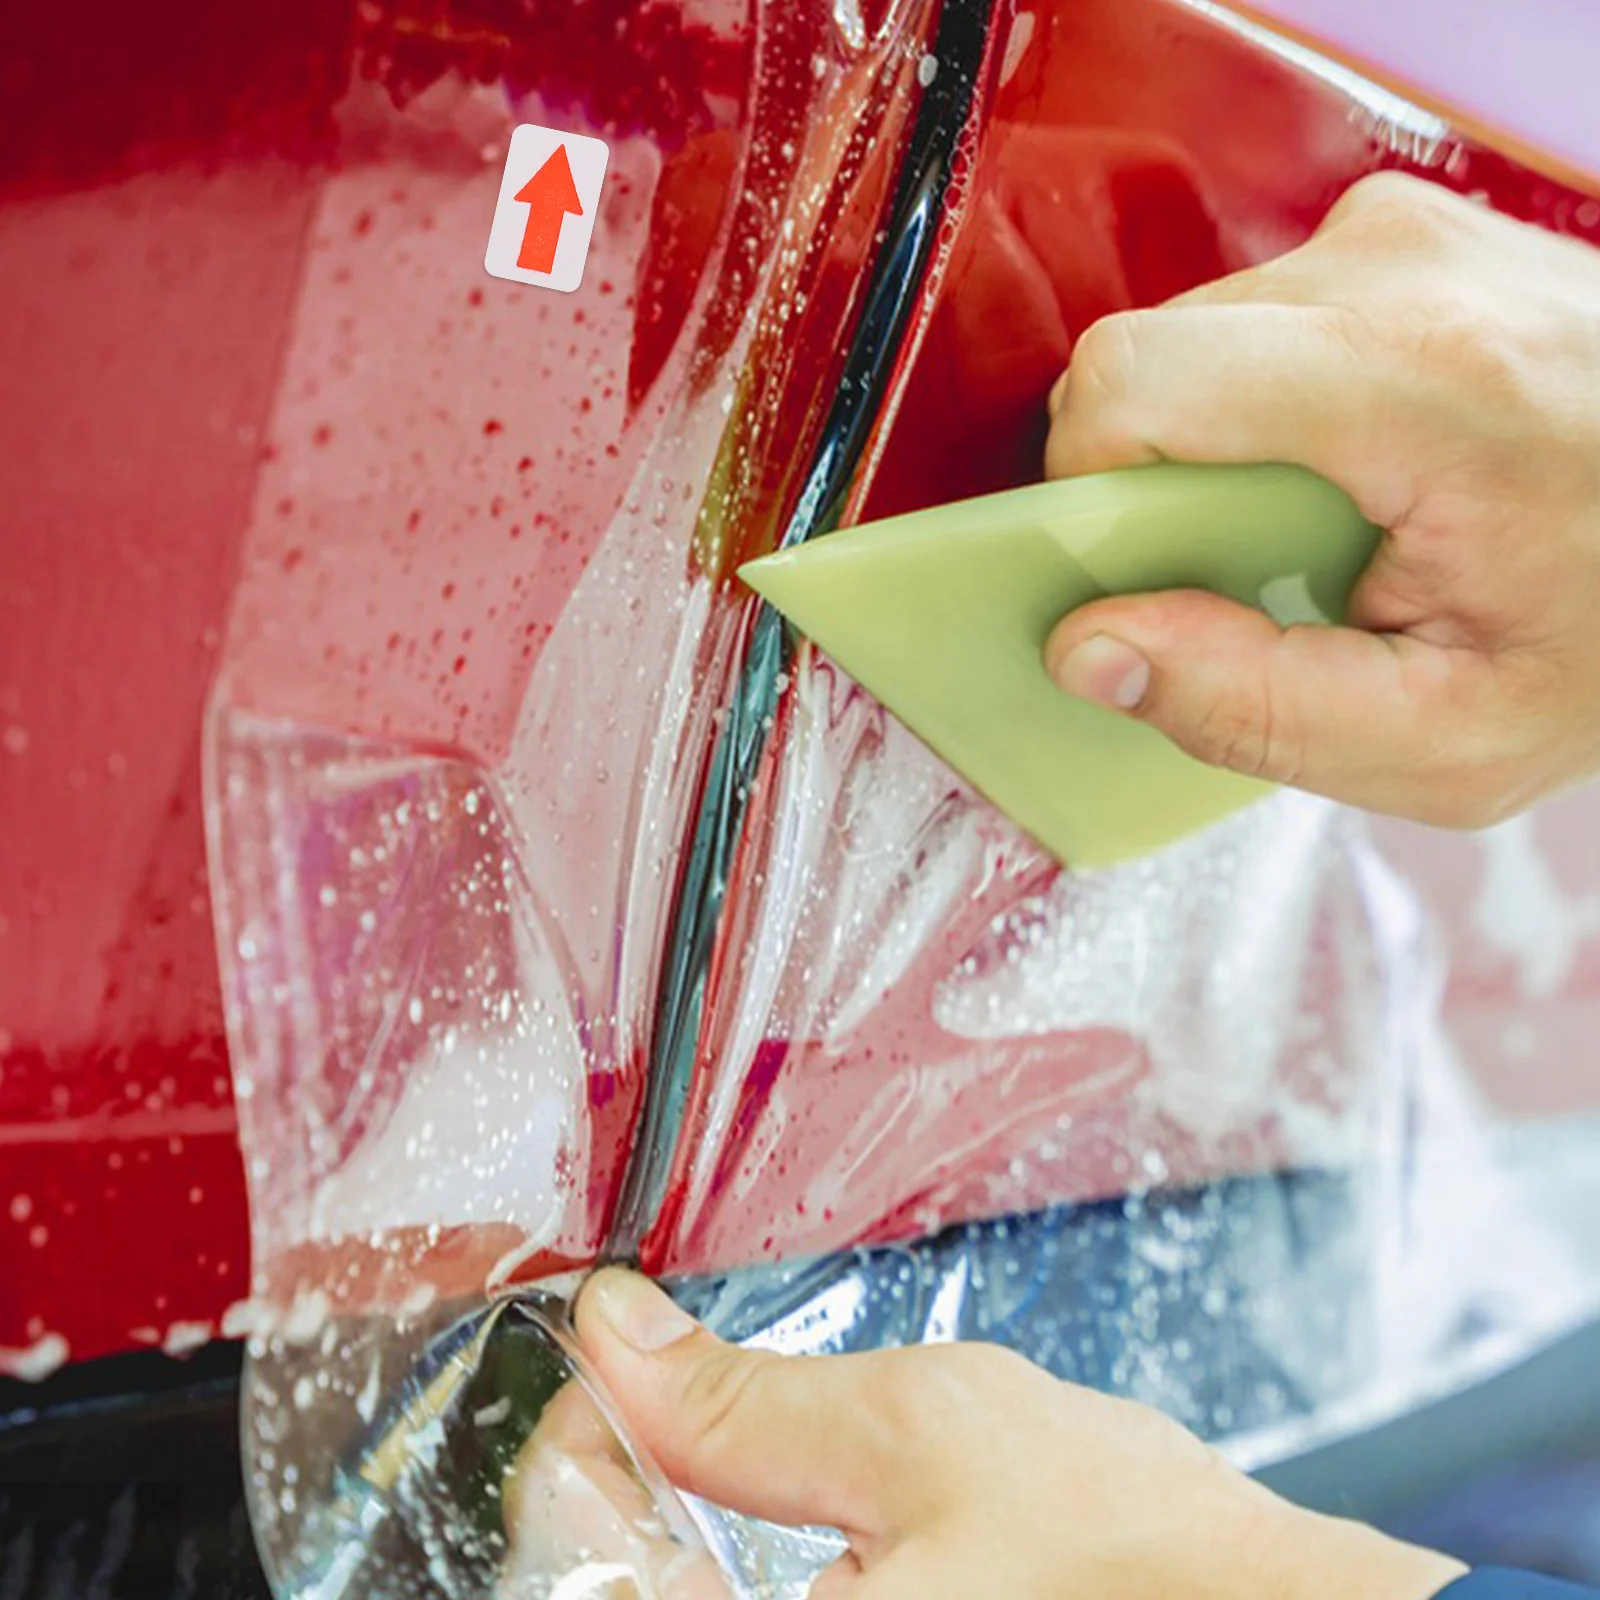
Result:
pixel 943 615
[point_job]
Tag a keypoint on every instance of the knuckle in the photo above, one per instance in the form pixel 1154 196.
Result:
pixel 718 1395
pixel 1388 187
pixel 1245 737
pixel 1397 205
pixel 1095 421
pixel 1104 361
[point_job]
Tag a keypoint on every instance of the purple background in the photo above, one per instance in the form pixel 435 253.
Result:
pixel 1529 66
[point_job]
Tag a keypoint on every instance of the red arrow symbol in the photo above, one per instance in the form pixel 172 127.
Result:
pixel 549 195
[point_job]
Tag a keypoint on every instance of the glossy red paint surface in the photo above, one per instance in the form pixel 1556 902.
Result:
pixel 242 306
pixel 185 198
pixel 154 195
pixel 499 618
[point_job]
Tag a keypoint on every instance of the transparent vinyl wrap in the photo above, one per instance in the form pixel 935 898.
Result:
pixel 569 911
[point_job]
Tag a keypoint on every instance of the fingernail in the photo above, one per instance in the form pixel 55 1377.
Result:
pixel 1105 671
pixel 638 1312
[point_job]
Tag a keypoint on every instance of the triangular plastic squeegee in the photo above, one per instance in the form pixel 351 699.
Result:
pixel 943 615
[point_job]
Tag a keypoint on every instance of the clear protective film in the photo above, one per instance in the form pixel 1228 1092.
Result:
pixel 569 911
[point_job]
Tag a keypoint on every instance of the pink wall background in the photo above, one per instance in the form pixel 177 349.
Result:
pixel 1528 66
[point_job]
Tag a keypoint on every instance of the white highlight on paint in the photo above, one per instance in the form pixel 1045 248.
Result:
pixel 852 26
pixel 245 1317
pixel 35 1362
pixel 1022 30
pixel 183 1337
pixel 306 1317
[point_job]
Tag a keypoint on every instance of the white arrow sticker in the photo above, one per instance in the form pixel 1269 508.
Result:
pixel 549 196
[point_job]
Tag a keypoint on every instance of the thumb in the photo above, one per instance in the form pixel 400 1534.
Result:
pixel 1381 721
pixel 786 1438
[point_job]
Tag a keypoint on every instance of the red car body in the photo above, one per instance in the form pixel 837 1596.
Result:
pixel 251 367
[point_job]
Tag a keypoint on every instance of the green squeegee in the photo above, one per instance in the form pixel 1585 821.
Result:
pixel 943 615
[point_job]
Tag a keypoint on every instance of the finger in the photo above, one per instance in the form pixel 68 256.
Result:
pixel 572 1421
pixel 842 1581
pixel 954 1565
pixel 574 1504
pixel 1373 223
pixel 1285 281
pixel 792 1439
pixel 1228 383
pixel 1383 722
pixel 1364 228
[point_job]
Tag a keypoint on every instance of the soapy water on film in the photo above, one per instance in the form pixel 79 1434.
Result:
pixel 1347 1252
pixel 1191 1131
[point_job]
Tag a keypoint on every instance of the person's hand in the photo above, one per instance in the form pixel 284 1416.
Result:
pixel 1442 365
pixel 578 1514
pixel 961 1470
